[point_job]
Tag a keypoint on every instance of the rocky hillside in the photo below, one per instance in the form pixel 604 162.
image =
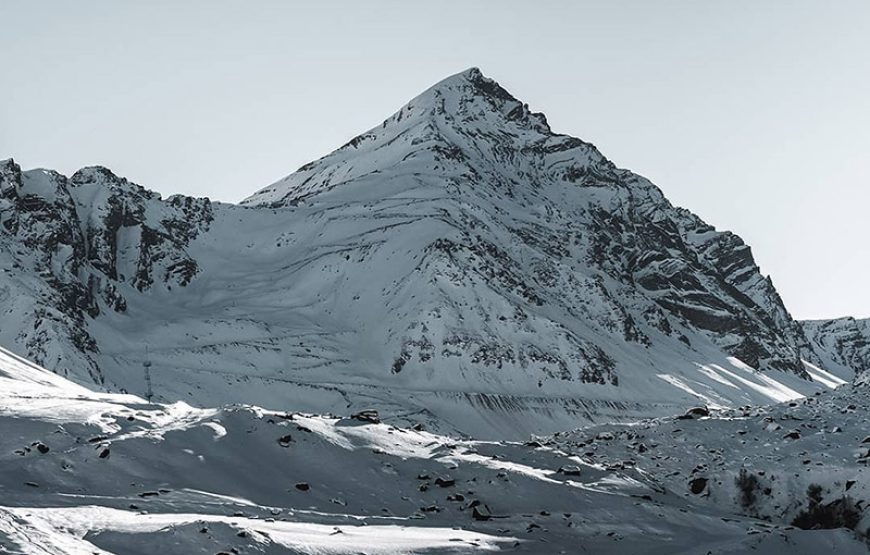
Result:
pixel 460 264
pixel 72 246
pixel 843 341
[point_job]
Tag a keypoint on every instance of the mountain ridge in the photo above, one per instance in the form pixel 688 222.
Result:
pixel 460 262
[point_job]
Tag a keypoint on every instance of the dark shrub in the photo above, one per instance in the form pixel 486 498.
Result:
pixel 841 513
pixel 747 487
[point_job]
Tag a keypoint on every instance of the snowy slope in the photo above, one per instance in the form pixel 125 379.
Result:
pixel 84 473
pixel 460 265
pixel 841 342
pixel 758 461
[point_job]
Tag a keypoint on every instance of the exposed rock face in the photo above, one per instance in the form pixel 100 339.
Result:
pixel 75 244
pixel 459 259
pixel 842 341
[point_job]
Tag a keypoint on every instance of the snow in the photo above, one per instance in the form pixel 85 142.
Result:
pixel 475 278
pixel 171 484
pixel 823 377
pixel 460 265
pixel 62 531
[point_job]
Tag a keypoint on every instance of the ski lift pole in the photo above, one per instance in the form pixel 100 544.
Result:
pixel 149 392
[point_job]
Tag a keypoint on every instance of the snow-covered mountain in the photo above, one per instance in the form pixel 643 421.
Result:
pixel 461 269
pixel 95 473
pixel 841 342
pixel 460 264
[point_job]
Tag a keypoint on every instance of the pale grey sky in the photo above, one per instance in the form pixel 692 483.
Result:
pixel 755 115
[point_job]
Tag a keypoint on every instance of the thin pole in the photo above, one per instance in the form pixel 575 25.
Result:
pixel 149 392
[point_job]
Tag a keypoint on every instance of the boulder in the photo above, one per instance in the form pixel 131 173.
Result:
pixel 368 415
pixel 570 470
pixel 698 485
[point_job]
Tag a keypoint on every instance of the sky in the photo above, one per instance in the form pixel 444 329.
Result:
pixel 754 115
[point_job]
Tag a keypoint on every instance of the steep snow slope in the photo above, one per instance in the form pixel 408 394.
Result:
pixel 84 473
pixel 516 198
pixel 460 264
pixel 842 342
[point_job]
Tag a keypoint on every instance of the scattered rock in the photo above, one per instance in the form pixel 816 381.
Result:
pixel 570 470
pixel 368 415
pixel 695 412
pixel 698 485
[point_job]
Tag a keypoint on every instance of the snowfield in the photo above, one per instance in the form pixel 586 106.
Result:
pixel 84 472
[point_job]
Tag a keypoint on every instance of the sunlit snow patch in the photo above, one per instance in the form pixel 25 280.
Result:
pixel 30 391
pixel 681 384
pixel 56 531
pixel 768 386
pixel 825 378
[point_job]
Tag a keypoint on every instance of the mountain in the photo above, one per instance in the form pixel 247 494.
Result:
pixel 86 472
pixel 460 264
pixel 842 342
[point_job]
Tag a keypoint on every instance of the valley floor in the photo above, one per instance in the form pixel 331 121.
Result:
pixel 84 472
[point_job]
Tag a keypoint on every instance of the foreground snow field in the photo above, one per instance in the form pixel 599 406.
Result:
pixel 84 472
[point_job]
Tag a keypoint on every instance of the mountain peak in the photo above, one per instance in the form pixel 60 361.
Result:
pixel 470 95
pixel 10 174
pixel 94 173
pixel 469 74
pixel 466 113
pixel 472 80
